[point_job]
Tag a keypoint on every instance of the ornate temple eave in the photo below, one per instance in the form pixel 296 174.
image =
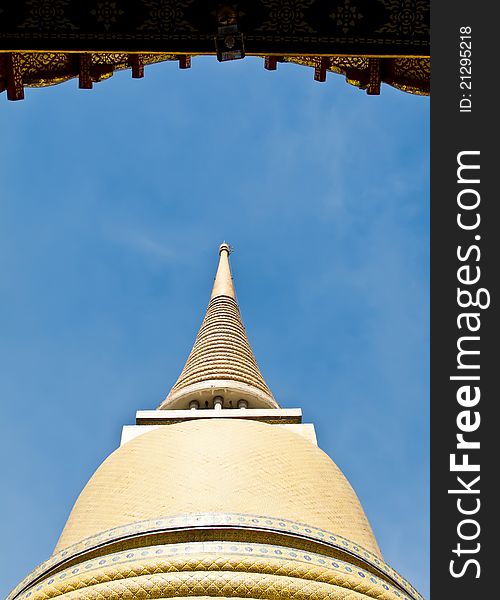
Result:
pixel 284 27
pixel 43 43
pixel 42 69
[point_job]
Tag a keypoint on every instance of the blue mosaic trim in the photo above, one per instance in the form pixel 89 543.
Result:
pixel 239 549
pixel 215 520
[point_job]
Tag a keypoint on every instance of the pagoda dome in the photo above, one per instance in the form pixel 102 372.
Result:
pixel 223 466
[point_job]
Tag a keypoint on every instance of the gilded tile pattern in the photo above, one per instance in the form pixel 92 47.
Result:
pixel 217 556
pixel 210 525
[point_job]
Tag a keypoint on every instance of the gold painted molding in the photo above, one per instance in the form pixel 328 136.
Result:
pixel 219 569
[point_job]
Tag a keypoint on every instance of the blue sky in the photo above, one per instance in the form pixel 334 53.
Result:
pixel 112 205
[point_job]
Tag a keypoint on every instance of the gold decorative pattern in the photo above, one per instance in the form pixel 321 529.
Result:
pixel 346 16
pixel 165 16
pixel 107 13
pixel 411 75
pixel 216 584
pixel 407 17
pixel 269 27
pixel 209 526
pixel 47 15
pixel 287 16
pixel 41 69
pixel 188 564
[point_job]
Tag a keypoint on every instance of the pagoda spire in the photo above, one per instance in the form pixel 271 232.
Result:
pixel 223 284
pixel 221 370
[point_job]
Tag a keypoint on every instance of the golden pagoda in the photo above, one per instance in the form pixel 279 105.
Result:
pixel 219 493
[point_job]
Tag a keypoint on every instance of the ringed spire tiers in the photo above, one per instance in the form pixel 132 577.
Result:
pixel 221 370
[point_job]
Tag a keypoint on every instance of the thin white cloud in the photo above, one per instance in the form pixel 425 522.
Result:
pixel 143 243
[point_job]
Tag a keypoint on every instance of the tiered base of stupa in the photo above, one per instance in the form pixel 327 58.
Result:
pixel 215 555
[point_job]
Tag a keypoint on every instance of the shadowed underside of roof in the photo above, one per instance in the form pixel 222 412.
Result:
pixel 41 69
pixel 368 41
